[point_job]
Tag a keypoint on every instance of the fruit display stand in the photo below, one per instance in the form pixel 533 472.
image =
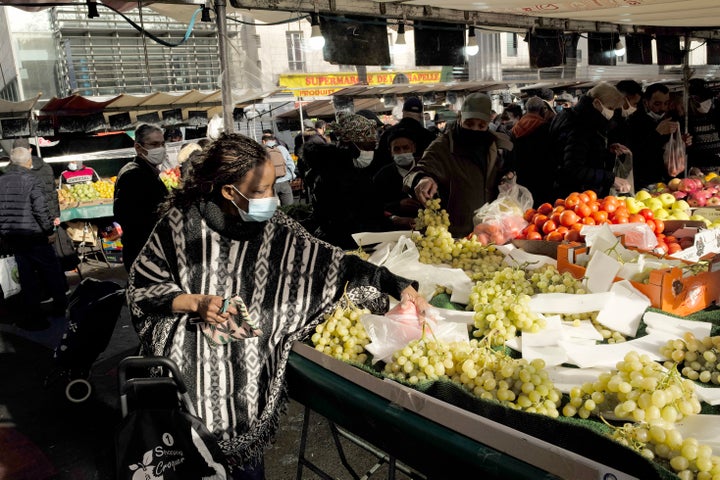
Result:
pixel 87 210
pixel 462 435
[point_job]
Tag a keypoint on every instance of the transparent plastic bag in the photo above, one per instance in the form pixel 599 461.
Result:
pixel 501 220
pixel 674 155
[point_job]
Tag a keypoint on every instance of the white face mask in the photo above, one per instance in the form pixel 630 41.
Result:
pixel 364 159
pixel 607 112
pixel 72 166
pixel 404 159
pixel 705 106
pixel 259 209
pixel 656 116
pixel 156 156
pixel 626 112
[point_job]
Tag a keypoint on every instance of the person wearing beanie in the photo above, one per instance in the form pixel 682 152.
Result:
pixel 580 138
pixel 463 166
pixel 532 150
pixel 413 122
pixel 339 182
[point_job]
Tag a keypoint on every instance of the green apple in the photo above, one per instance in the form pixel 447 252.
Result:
pixel 653 203
pixel 633 206
pixel 643 195
pixel 681 205
pixel 661 214
pixel 680 215
pixel 667 199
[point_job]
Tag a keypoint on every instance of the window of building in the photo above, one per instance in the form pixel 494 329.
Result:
pixel 296 59
pixel 512 44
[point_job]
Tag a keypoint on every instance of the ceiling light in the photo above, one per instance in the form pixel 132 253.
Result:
pixel 317 41
pixel 472 46
pixel 619 49
pixel 205 16
pixel 400 44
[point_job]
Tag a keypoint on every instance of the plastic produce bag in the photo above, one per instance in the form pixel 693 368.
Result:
pixel 402 324
pixel 624 169
pixel 674 155
pixel 501 220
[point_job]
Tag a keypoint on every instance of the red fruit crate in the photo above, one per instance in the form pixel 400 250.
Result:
pixel 668 289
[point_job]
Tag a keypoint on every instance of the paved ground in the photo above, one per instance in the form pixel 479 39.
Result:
pixel 43 436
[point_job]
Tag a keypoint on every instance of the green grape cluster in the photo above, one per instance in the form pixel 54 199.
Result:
pixel 687 457
pixel 638 389
pixel 697 359
pixel 342 335
pixel 480 370
pixel 437 246
pixel 502 306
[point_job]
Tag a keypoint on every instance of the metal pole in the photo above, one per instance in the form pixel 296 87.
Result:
pixel 225 87
pixel 686 94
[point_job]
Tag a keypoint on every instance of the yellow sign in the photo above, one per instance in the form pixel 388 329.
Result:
pixel 323 84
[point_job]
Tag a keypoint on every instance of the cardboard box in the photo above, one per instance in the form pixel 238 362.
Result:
pixel 538 247
pixel 668 289
pixel 544 455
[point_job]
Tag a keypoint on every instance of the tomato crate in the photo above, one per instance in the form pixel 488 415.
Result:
pixel 668 288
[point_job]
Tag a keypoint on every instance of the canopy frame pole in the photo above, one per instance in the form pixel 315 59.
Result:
pixel 226 83
pixel 687 73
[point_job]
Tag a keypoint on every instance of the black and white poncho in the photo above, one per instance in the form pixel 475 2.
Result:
pixel 286 277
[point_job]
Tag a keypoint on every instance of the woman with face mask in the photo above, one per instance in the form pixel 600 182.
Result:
pixel 340 185
pixel 222 237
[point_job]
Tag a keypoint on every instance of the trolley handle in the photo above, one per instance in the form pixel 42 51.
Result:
pixel 149 362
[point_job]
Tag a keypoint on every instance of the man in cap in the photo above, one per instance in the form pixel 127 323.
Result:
pixel 463 166
pixel 412 121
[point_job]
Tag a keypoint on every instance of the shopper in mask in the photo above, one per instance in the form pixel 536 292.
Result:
pixel 650 129
pixel 139 191
pixel 78 173
pixel 463 166
pixel 704 128
pixel 339 183
pixel 400 207
pixel 221 238
pixel 579 136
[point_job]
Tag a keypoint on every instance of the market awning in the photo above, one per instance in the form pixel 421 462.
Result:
pixel 325 108
pixel 17 109
pixel 400 90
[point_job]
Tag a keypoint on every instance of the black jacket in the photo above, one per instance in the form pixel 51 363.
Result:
pixel 23 206
pixel 138 194
pixel 533 161
pixel 579 136
pixel 47 178
pixel 648 148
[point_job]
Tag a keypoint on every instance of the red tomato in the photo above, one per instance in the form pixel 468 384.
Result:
pixel 600 217
pixel 620 219
pixel 534 236
pixel 673 247
pixel 584 198
pixel 669 238
pixel 559 201
pixel 607 206
pixel 562 229
pixel 594 206
pixel 555 217
pixel 545 209
pixel 591 194
pixel 588 221
pixel 572 236
pixel 569 218
pixel 583 209
pixel 529 214
pixel 531 228
pixel 662 248
pixel 572 200
pixel 659 226
pixel 549 226
pixel 554 237
pixel 539 219
pixel 636 218
pixel 647 213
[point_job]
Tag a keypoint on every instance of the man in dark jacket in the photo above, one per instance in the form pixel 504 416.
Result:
pixel 534 163
pixel 580 137
pixel 139 192
pixel 47 178
pixel 26 226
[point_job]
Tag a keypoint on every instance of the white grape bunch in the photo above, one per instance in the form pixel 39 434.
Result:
pixel 697 359
pixel 342 335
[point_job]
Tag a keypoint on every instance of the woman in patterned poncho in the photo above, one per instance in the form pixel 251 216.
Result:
pixel 220 238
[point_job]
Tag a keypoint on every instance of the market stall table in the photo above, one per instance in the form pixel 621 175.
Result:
pixel 85 214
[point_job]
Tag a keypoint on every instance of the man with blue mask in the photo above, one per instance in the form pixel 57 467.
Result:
pixel 649 132
pixel 400 207
pixel 139 191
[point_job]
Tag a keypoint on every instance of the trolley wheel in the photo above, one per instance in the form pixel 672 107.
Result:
pixel 78 390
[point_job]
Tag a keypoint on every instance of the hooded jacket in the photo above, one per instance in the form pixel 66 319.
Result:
pixel 47 178
pixel 467 175
pixel 24 212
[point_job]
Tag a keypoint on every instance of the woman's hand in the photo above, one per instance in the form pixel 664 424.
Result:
pixel 411 295
pixel 208 307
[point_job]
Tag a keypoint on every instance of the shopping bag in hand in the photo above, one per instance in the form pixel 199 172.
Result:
pixel 674 155
pixel 9 277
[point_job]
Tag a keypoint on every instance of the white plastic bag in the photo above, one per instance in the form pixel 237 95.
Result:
pixel 401 325
pixel 9 277
pixel 501 220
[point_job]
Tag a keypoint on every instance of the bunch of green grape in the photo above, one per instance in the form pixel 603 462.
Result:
pixel 437 246
pixel 502 306
pixel 342 335
pixel 687 457
pixel 697 359
pixel 638 389
pixel 421 359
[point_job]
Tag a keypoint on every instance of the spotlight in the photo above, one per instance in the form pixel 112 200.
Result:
pixel 619 49
pixel 400 45
pixel 205 16
pixel 92 9
pixel 472 46
pixel 317 41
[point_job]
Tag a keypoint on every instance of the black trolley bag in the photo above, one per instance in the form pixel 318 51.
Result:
pixel 93 310
pixel 160 436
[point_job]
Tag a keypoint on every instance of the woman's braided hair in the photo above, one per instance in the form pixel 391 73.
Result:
pixel 224 161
